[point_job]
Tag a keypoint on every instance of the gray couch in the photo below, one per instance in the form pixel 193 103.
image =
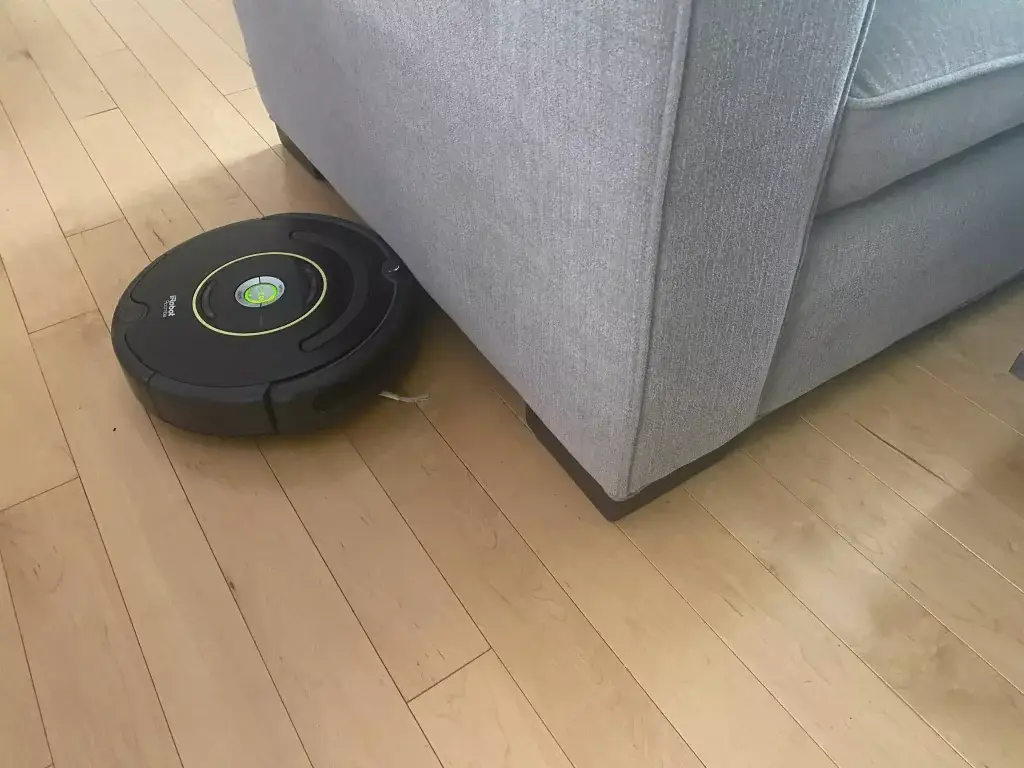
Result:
pixel 661 219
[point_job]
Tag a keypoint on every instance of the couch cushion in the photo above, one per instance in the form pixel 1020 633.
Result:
pixel 935 77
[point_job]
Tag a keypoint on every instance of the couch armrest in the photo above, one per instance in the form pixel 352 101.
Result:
pixel 762 94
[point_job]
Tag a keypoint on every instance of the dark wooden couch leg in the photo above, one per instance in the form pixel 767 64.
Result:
pixel 616 510
pixel 299 155
pixel 606 505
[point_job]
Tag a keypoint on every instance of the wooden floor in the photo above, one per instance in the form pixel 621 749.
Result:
pixel 425 587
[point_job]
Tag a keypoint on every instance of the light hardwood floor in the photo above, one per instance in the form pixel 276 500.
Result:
pixel 424 587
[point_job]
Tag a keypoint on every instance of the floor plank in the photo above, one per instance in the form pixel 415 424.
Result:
pixel 594 708
pixel 110 257
pixel 219 699
pixel 22 739
pixel 898 438
pixel 417 625
pixel 973 352
pixel 39 264
pixel 220 16
pixel 272 183
pixel 151 205
pixel 345 707
pixel 94 687
pixel 73 83
pixel 86 27
pixel 321 582
pixel 73 187
pixel 722 710
pixel 981 607
pixel 478 717
pixel 210 192
pixel 33 454
pixel 862 720
pixel 250 105
pixel 943 680
pixel 214 58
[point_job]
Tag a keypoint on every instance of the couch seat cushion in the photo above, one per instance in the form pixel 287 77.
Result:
pixel 935 77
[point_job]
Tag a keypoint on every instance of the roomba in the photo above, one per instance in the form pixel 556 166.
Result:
pixel 281 324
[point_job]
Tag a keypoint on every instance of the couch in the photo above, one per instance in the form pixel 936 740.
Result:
pixel 662 219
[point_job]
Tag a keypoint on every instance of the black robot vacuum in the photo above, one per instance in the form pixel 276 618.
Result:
pixel 282 324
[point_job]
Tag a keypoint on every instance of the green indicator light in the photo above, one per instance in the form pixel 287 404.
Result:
pixel 263 293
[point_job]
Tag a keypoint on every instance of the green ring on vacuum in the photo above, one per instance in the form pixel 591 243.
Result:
pixel 199 289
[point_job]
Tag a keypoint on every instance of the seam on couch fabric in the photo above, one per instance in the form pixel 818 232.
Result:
pixel 655 235
pixel 837 123
pixel 937 83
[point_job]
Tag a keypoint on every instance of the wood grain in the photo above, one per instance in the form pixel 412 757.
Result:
pixel 22 739
pixel 588 700
pixel 86 27
pixel 897 436
pixel 152 207
pixel 75 191
pixel 220 16
pixel 961 591
pixel 204 48
pixel 94 688
pixel 219 699
pixel 946 683
pixel 73 83
pixel 272 183
pixel 110 257
pixel 479 717
pixel 33 454
pixel 417 625
pixel 722 711
pixel 973 352
pixel 345 707
pixel 210 192
pixel 39 264
pixel 250 105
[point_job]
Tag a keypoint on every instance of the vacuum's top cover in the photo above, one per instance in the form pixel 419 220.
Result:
pixel 259 301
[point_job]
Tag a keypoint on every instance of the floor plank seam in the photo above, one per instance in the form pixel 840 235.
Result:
pixel 558 583
pixel 412 531
pixel 721 639
pixel 907 501
pixel 202 21
pixel 131 623
pixel 199 135
pixel 541 720
pixel 348 602
pixel 71 319
pixel 462 604
pixel 35 496
pixel 24 652
pixel 969 399
pixel 841 640
pixel 170 37
pixel 231 592
pixel 451 674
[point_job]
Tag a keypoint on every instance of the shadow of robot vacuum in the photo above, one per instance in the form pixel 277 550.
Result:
pixel 276 325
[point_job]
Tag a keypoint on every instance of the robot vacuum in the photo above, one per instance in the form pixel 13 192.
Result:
pixel 276 325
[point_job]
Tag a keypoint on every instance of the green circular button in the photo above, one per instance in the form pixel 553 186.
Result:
pixel 259 291
pixel 263 293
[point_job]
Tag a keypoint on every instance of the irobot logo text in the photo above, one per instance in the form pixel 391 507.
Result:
pixel 170 305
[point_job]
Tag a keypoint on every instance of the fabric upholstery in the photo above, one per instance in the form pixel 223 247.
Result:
pixel 612 198
pixel 915 46
pixel 750 151
pixel 935 78
pixel 511 153
pixel 883 268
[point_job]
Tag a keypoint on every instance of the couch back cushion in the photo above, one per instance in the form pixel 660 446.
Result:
pixel 923 44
